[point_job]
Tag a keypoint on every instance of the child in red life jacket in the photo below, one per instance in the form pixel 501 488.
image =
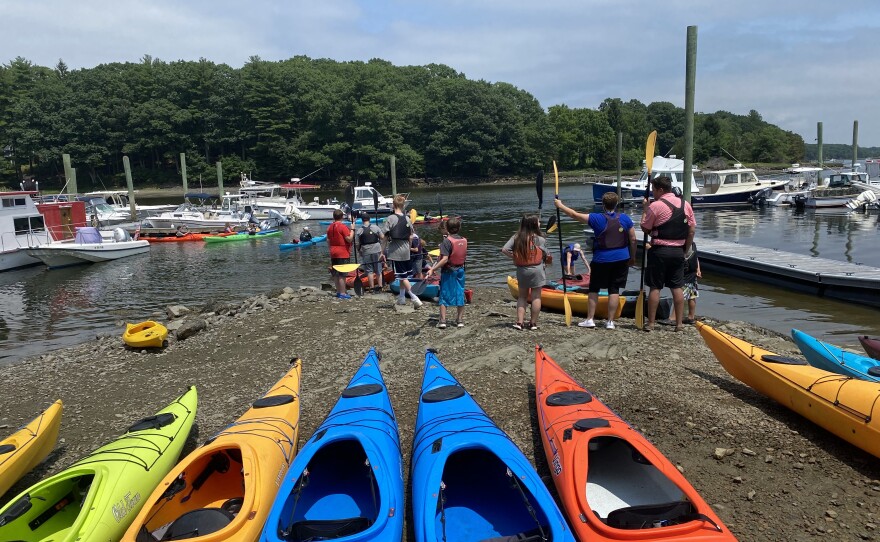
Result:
pixel 453 253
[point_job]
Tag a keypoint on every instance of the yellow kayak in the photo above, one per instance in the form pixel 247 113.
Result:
pixel 847 407
pixel 551 298
pixel 224 489
pixel 147 334
pixel 23 450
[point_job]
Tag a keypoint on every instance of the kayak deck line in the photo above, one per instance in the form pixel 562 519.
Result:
pixel 825 277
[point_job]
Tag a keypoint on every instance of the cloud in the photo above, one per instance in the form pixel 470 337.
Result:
pixel 794 62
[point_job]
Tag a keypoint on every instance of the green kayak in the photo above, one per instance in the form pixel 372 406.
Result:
pixel 243 236
pixel 97 498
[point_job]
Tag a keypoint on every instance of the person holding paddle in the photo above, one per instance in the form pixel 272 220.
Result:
pixel 614 250
pixel 398 231
pixel 527 249
pixel 339 238
pixel 670 222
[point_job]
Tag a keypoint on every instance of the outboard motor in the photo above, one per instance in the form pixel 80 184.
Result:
pixel 253 220
pixel 800 202
pixel 865 198
pixel 760 198
pixel 120 235
pixel 278 217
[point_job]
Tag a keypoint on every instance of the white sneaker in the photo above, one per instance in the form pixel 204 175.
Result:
pixel 401 301
pixel 609 325
pixel 587 323
pixel 417 303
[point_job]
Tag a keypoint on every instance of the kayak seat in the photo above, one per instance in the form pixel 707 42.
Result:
pixel 197 523
pixel 651 515
pixel 362 391
pixel 6 448
pixel 273 400
pixel 443 393
pixel 874 371
pixel 152 422
pixel 327 529
pixel 785 360
pixel 529 536
pixel 568 398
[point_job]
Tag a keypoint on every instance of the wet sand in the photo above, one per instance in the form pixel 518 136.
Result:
pixel 786 479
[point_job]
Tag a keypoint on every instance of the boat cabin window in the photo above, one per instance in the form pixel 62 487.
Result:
pixel 27 224
pixel 731 178
pixel 14 202
pixel 711 182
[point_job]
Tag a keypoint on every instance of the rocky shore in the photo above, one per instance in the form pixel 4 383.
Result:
pixel 769 474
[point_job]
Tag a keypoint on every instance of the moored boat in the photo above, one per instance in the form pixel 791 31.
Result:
pixel 469 480
pixel 613 483
pixel 89 246
pixel 552 299
pixel 22 226
pixel 837 360
pixel 846 406
pixel 671 167
pixel 147 334
pixel 347 481
pixel 24 449
pixel 97 497
pixel 735 186
pixel 222 491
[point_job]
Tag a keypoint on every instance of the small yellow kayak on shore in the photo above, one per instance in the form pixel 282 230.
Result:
pixel 147 334
pixel 24 449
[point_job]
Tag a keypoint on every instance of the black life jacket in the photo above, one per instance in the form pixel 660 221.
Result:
pixel 401 230
pixel 677 225
pixel 613 236
pixel 368 236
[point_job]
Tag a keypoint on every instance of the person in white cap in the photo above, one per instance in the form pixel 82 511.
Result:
pixel 571 254
pixel 305 235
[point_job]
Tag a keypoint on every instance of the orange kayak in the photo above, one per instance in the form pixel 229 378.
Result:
pixel 387 278
pixel 613 483
pixel 183 238
pixel 552 298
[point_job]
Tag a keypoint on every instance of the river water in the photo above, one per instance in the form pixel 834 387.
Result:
pixel 42 310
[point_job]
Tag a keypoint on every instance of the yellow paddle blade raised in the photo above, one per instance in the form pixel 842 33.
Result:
pixel 412 215
pixel 640 310
pixel 567 307
pixel 556 174
pixel 435 253
pixel 649 151
pixel 553 228
pixel 346 267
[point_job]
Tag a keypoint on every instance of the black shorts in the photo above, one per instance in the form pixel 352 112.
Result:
pixel 665 267
pixel 610 275
pixel 402 270
pixel 337 261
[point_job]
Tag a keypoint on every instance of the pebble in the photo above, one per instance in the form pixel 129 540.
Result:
pixel 748 452
pixel 831 514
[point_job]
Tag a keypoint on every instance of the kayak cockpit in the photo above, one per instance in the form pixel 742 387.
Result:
pixel 203 499
pixel 50 511
pixel 337 495
pixel 621 483
pixel 480 498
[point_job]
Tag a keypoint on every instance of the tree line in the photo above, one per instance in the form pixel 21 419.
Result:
pixel 283 119
pixel 837 151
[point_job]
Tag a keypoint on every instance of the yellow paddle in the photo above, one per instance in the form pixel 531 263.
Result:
pixel 565 304
pixel 435 253
pixel 640 301
pixel 346 267
pixel 413 214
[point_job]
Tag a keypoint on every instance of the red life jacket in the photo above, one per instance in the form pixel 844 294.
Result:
pixel 535 256
pixel 458 254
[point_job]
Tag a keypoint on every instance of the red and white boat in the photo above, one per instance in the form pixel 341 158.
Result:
pixel 26 224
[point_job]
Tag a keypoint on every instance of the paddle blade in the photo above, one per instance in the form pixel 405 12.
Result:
pixel 435 253
pixel 412 216
pixel 567 307
pixel 551 224
pixel 376 202
pixel 418 288
pixel 539 186
pixel 346 267
pixel 556 174
pixel 349 195
pixel 649 151
pixel 358 285
pixel 439 205
pixel 640 310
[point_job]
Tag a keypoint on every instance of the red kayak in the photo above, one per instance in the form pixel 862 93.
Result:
pixel 172 238
pixel 387 278
pixel 871 346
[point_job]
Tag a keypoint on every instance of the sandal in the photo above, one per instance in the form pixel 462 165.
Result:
pixel 518 326
pixel 689 321
pixel 648 329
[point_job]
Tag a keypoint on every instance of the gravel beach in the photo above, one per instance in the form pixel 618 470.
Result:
pixel 768 473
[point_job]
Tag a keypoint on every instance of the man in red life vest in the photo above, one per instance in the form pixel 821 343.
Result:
pixel 339 238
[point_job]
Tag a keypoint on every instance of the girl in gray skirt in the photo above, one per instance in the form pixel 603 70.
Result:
pixel 528 251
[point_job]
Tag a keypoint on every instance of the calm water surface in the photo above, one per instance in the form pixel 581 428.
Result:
pixel 41 310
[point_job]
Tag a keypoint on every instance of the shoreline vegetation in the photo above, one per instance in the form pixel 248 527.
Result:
pixel 767 472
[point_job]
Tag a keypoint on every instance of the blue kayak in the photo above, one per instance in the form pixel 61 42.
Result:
pixel 357 222
pixel 347 480
pixel 469 480
pixel 431 290
pixel 303 244
pixel 831 358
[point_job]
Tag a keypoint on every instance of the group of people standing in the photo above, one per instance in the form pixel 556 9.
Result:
pixel 671 256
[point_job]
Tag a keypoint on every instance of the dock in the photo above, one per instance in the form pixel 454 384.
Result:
pixel 851 282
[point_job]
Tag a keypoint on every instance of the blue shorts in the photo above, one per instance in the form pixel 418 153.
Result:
pixel 452 287
pixel 402 270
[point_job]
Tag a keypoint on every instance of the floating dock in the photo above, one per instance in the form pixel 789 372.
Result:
pixel 852 282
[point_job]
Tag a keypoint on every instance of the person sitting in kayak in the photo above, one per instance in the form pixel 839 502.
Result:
pixel 182 231
pixel 305 235
pixel 571 254
pixel 228 228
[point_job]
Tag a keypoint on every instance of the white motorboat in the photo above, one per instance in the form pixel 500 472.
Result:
pixel 285 199
pixel 801 179
pixel 727 187
pixel 841 188
pixel 100 213
pixel 21 226
pixel 89 246
pixel 193 217
pixel 365 202
pixel 670 167
pixel 315 209
pixel 118 200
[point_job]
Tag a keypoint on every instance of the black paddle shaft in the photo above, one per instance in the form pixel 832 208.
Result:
pixel 539 186
pixel 645 236
pixel 561 259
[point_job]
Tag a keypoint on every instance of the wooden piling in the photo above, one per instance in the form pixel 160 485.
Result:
pixel 819 140
pixel 183 172
pixel 393 175
pixel 689 88
pixel 855 146
pixel 69 176
pixel 619 164
pixel 220 177
pixel 131 204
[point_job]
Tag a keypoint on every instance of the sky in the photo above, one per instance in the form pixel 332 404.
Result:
pixel 794 61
